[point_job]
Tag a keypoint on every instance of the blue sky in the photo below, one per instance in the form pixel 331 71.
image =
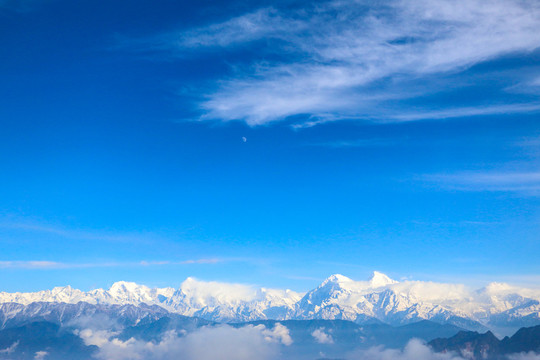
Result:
pixel 271 143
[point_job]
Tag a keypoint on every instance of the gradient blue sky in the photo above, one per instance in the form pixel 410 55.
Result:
pixel 268 142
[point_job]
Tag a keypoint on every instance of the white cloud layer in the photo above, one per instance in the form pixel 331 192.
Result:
pixel 322 337
pixel 246 343
pixel 525 356
pixel 345 58
pixel 40 355
pixel 207 343
pixel 10 349
pixel 522 182
pixel 415 350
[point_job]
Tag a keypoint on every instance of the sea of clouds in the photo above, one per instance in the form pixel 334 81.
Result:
pixel 250 342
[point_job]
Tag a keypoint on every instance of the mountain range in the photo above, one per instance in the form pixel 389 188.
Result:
pixel 500 307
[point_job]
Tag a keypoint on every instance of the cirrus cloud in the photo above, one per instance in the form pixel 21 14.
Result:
pixel 353 59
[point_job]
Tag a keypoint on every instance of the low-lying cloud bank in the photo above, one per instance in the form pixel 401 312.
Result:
pixel 247 343
pixel 525 356
pixel 212 343
pixel 415 350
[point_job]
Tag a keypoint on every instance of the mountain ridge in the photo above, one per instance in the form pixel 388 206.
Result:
pixel 473 345
pixel 379 299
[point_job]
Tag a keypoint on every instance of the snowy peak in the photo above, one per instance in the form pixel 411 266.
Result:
pixel 376 280
pixel 125 287
pixel 329 288
pixel 213 292
pixel 337 279
pixel 337 297
pixel 338 282
pixel 62 289
pixel 379 279
pixel 124 292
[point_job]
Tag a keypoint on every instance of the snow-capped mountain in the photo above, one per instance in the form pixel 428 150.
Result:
pixel 209 300
pixel 231 302
pixel 79 313
pixel 120 293
pixel 379 299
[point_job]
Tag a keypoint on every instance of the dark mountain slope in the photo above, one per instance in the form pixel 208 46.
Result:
pixel 28 341
pixel 487 346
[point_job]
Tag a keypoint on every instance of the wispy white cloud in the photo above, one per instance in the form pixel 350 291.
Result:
pixel 466 112
pixel 523 182
pixel 322 337
pixel 535 81
pixel 415 350
pixel 263 23
pixel 529 143
pixel 529 148
pixel 24 225
pixel 48 265
pixel 40 355
pixel 186 262
pixel 355 143
pixel 30 225
pixel 10 349
pixel 346 58
pixel 202 261
pixel 151 263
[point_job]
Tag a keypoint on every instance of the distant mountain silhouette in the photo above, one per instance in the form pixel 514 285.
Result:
pixel 27 342
pixel 474 345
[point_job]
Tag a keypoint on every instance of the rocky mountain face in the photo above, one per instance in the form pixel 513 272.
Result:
pixel 377 300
